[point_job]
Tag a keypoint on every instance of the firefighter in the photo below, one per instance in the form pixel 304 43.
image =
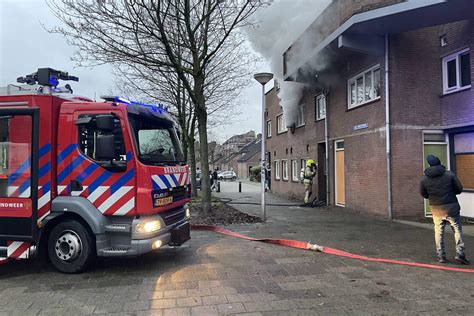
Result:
pixel 309 173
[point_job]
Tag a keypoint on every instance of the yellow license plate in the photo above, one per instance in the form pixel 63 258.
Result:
pixel 164 201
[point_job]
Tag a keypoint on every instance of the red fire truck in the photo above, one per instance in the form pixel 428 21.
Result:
pixel 81 179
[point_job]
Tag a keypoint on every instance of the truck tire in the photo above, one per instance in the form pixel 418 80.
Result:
pixel 71 247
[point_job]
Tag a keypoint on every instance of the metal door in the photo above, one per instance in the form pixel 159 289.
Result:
pixel 19 129
pixel 340 173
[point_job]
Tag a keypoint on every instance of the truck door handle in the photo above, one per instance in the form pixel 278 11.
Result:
pixel 75 185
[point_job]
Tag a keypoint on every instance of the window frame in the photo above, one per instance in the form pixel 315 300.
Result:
pixel 277 170
pixel 79 126
pixel 283 122
pixel 303 162
pixel 320 96
pixel 354 79
pixel 269 128
pixel 302 112
pixel 294 173
pixel 118 166
pixel 284 169
pixel 444 62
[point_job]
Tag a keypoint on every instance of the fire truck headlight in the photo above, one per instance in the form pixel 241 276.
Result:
pixel 157 244
pixel 148 227
pixel 187 210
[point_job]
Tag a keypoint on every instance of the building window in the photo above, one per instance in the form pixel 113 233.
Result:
pixel 277 170
pixel 269 129
pixel 281 126
pixel 320 107
pixel 364 87
pixel 456 71
pixel 284 167
pixel 464 157
pixel 303 163
pixel 300 118
pixel 443 40
pixel 294 170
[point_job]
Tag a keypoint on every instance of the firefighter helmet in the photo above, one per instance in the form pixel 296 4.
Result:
pixel 310 162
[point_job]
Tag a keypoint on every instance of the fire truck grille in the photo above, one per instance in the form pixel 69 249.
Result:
pixel 178 193
pixel 173 216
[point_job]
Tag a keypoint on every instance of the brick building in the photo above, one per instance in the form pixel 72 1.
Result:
pixel 235 144
pixel 423 50
pixel 249 157
pixel 227 155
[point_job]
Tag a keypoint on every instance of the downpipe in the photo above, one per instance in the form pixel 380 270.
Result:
pixel 387 130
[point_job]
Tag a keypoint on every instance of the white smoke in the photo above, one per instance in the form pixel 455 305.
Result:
pixel 278 26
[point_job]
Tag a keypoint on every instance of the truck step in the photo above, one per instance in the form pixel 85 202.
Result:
pixel 114 251
pixel 118 228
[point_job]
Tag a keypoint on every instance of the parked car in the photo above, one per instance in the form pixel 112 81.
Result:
pixel 227 175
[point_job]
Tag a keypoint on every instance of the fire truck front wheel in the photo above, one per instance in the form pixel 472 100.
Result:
pixel 71 247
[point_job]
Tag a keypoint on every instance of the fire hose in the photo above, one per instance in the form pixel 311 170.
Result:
pixel 327 250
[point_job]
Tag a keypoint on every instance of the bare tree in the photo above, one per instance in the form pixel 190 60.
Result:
pixel 141 83
pixel 188 37
pixel 156 85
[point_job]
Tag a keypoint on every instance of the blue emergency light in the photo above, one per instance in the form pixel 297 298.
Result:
pixel 158 108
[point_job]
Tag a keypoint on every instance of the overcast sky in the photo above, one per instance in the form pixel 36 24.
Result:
pixel 26 46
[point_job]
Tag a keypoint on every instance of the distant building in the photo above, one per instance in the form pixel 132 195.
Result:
pixel 227 154
pixel 235 144
pixel 417 91
pixel 249 157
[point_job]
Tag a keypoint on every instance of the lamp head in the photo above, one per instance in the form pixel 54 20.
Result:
pixel 263 77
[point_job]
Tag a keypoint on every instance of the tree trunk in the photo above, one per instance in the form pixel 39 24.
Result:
pixel 184 140
pixel 192 158
pixel 205 180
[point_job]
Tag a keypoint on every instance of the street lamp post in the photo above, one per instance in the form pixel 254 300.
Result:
pixel 263 78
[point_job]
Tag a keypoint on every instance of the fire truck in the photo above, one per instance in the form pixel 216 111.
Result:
pixel 81 179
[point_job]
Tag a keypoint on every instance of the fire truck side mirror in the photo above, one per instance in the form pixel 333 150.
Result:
pixel 105 150
pixel 105 123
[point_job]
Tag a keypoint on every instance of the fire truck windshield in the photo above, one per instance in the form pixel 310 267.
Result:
pixel 156 141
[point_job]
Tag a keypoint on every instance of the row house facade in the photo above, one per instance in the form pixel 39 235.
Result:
pixel 395 87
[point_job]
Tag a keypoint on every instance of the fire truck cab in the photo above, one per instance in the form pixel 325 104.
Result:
pixel 81 179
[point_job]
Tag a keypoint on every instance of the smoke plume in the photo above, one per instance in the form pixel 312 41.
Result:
pixel 277 27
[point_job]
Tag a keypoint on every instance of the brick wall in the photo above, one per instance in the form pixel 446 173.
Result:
pixel 243 167
pixel 341 119
pixel 347 8
pixel 407 170
pixel 414 106
pixel 415 78
pixel 338 12
pixel 458 108
pixel 366 173
pixel 365 149
pixel 302 143
pixel 417 103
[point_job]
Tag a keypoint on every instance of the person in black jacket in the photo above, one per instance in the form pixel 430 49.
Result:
pixel 214 180
pixel 441 186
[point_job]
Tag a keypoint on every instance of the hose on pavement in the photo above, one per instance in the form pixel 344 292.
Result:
pixel 230 201
pixel 327 250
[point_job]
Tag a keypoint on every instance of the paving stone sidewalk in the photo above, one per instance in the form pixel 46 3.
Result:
pixel 217 275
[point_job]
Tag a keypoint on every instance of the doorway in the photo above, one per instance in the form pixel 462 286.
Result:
pixel 340 174
pixel 440 150
pixel 322 171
